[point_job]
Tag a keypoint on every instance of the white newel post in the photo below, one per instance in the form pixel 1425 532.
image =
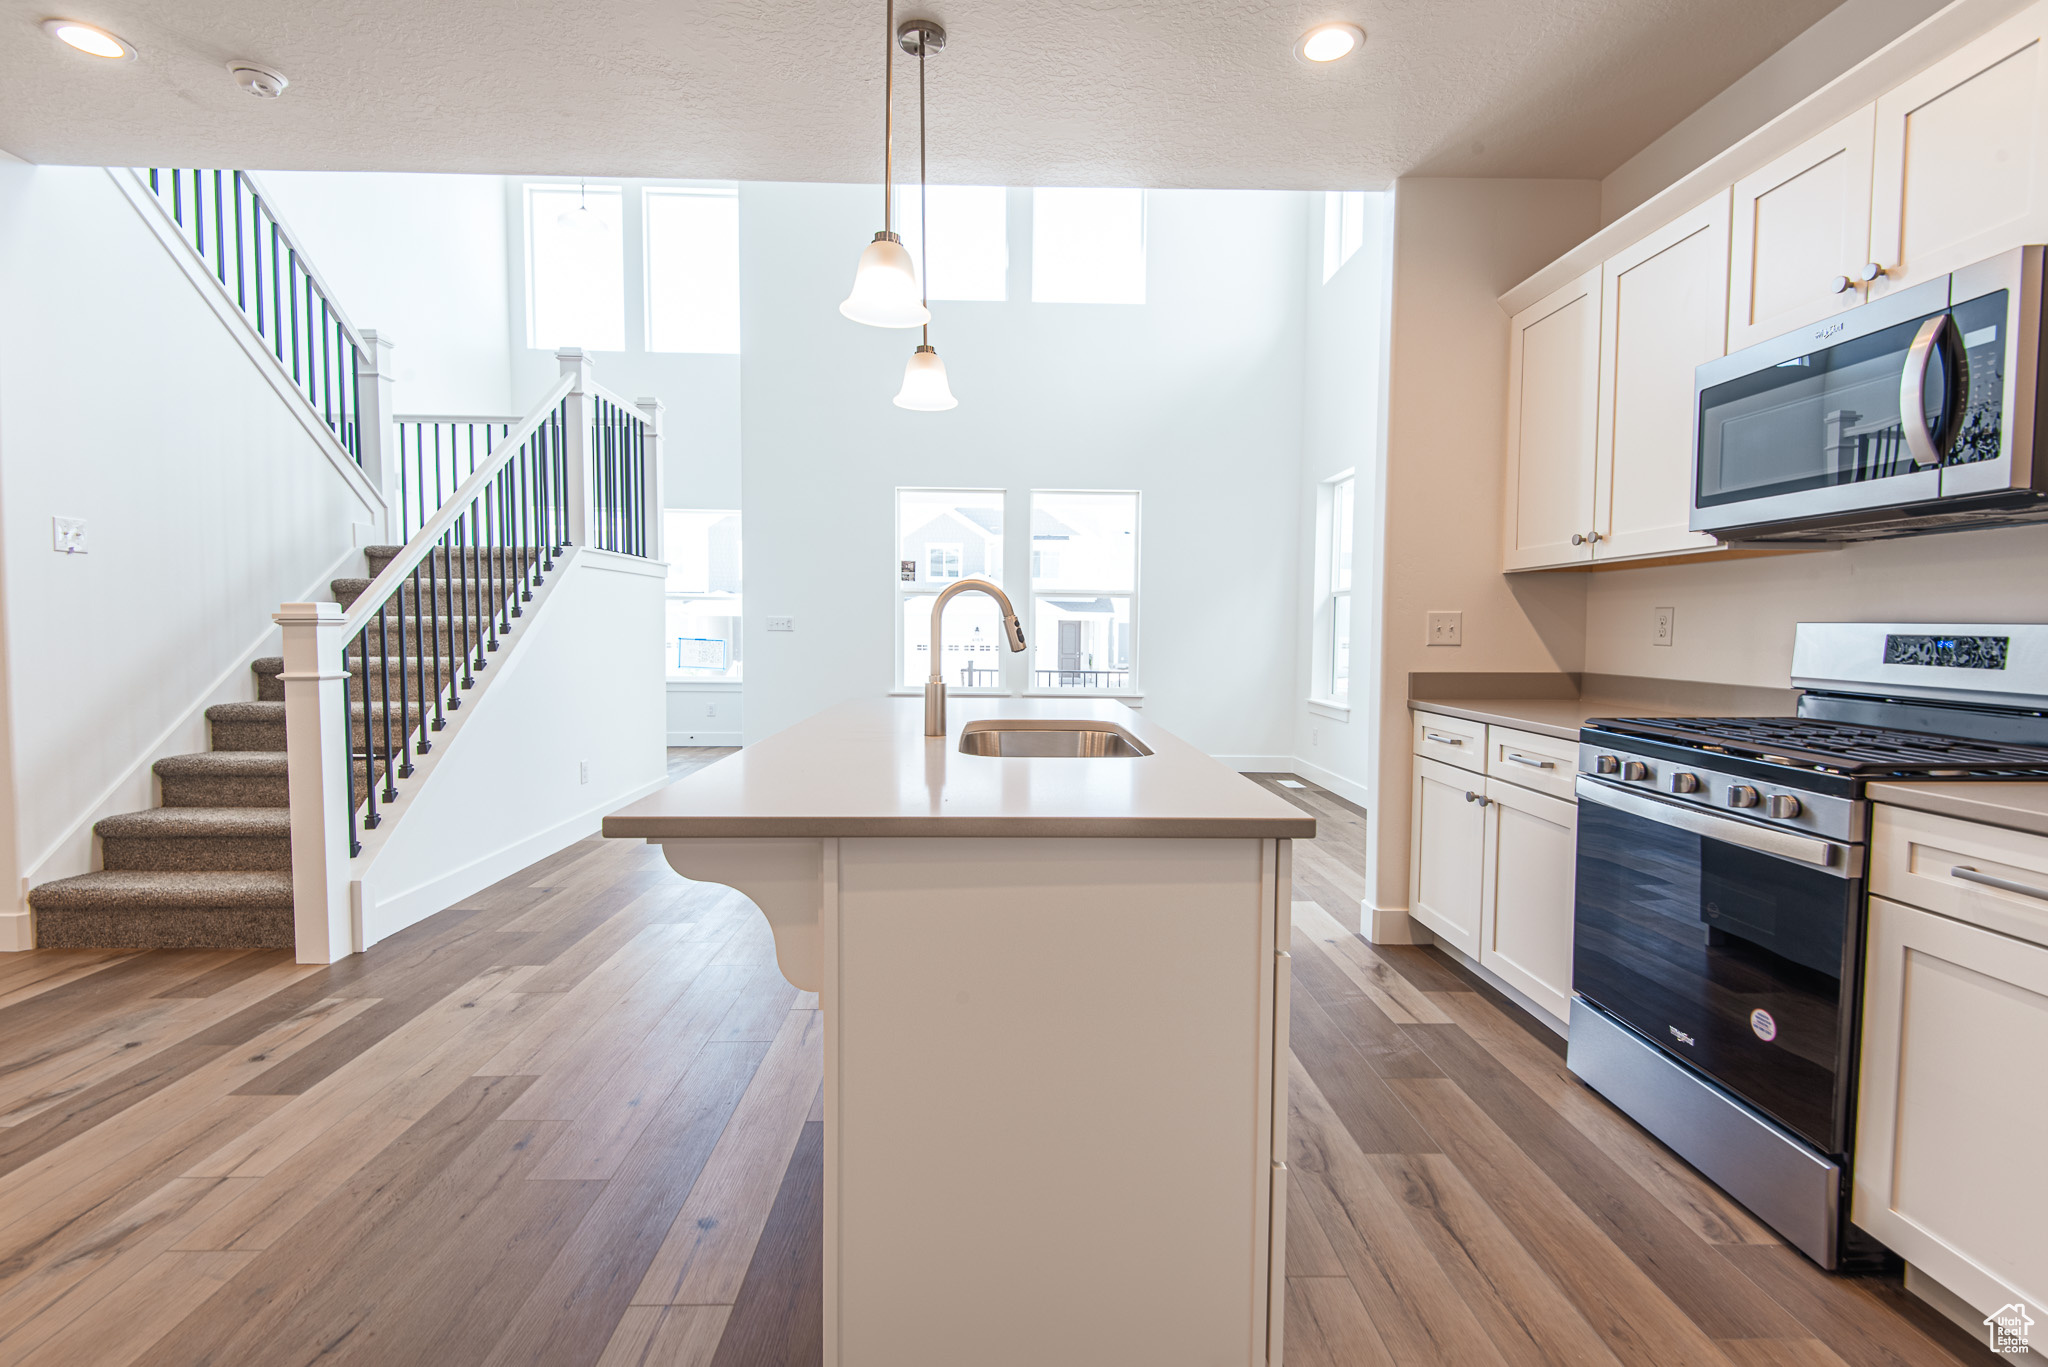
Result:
pixel 654 485
pixel 375 381
pixel 575 361
pixel 317 750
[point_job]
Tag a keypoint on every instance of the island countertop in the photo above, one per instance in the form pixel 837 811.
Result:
pixel 866 768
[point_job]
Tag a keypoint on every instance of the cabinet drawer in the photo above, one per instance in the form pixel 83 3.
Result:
pixel 1451 740
pixel 1939 863
pixel 1528 760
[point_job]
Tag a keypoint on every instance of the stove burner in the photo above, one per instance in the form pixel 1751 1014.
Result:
pixel 1836 747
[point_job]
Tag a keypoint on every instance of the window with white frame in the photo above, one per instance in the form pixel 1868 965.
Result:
pixel 1087 246
pixel 942 537
pixel 692 238
pixel 1084 590
pixel 704 616
pixel 1343 228
pixel 1337 517
pixel 575 267
pixel 969 240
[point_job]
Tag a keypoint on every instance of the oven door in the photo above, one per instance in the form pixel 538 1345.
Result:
pixel 1731 946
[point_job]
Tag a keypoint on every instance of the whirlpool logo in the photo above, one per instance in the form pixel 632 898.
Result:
pixel 1681 1036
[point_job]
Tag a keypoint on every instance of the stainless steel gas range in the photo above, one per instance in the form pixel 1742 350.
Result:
pixel 1719 910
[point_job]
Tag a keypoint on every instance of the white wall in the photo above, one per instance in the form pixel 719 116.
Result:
pixel 1193 398
pixel 1345 319
pixel 125 399
pixel 1456 245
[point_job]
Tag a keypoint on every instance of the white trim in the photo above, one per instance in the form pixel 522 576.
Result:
pixel 152 214
pixel 1131 699
pixel 1257 764
pixel 1390 925
pixel 1345 788
pixel 700 738
pixel 707 685
pixel 1335 711
pixel 1505 988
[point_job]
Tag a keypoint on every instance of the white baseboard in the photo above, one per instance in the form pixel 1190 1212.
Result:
pixel 1391 925
pixel 17 931
pixel 703 738
pixel 389 915
pixel 1506 989
pixel 1257 764
pixel 1336 783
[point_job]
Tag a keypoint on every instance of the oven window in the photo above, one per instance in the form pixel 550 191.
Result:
pixel 1724 957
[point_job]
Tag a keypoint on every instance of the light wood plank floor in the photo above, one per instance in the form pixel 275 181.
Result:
pixel 575 1120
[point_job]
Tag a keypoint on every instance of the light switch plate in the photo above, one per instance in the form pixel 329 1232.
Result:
pixel 1665 623
pixel 782 624
pixel 1446 628
pixel 583 771
pixel 67 535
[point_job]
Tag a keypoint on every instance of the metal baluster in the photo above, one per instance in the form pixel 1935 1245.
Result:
pixel 292 279
pixel 404 695
pixel 434 610
pixel 326 335
pixel 519 458
pixel 384 696
pixel 199 214
pixel 485 612
pixel 276 298
pixel 468 675
pixel 504 553
pixel 256 253
pixel 241 294
pixel 220 235
pixel 348 748
pixel 177 197
pixel 419 661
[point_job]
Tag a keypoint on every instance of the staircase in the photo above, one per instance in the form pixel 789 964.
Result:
pixel 211 867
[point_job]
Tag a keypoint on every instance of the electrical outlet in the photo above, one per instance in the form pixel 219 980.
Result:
pixel 1660 634
pixel 782 624
pixel 583 771
pixel 711 709
pixel 67 535
pixel 1446 628
pixel 1315 735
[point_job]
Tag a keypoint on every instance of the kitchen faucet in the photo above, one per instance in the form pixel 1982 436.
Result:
pixel 935 687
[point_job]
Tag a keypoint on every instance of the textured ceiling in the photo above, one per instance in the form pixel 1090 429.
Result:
pixel 1044 92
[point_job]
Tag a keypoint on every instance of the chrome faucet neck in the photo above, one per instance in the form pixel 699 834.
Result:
pixel 935 684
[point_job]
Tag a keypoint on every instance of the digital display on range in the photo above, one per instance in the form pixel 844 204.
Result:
pixel 1947 652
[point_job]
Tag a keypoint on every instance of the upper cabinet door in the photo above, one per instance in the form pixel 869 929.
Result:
pixel 1553 391
pixel 1664 310
pixel 1801 233
pixel 1961 168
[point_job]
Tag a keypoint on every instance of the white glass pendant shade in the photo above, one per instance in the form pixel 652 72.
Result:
pixel 885 292
pixel 924 383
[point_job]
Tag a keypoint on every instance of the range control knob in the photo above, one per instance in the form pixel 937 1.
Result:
pixel 1635 771
pixel 1784 806
pixel 1607 764
pixel 1742 795
pixel 1682 782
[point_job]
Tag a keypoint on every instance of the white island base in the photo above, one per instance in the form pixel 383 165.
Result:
pixel 1053 1115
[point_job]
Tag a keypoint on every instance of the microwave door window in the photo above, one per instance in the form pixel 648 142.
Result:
pixel 1827 418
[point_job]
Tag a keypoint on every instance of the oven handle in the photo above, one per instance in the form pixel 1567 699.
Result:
pixel 1784 844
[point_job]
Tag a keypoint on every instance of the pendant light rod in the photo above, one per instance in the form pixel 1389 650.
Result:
pixel 924 219
pixel 888 111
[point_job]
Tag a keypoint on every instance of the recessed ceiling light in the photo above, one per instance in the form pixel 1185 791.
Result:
pixel 95 42
pixel 1329 42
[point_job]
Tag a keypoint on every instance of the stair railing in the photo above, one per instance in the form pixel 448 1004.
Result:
pixel 369 686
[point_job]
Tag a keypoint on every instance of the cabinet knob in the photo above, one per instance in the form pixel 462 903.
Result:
pixel 1868 272
pixel 1843 284
pixel 1482 801
pixel 1578 538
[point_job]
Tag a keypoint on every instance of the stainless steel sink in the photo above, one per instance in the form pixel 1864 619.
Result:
pixel 1051 739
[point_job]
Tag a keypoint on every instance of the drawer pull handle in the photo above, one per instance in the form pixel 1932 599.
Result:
pixel 1514 758
pixel 1970 875
pixel 1441 739
pixel 1488 802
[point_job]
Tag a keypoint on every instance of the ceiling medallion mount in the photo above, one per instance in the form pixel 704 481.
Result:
pixel 920 37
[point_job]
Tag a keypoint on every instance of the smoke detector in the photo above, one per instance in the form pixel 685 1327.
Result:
pixel 259 81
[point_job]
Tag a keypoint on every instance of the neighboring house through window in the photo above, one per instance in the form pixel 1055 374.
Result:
pixel 1084 590
pixel 943 536
pixel 704 614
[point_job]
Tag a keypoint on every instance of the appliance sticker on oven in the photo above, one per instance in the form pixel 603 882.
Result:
pixel 1763 1025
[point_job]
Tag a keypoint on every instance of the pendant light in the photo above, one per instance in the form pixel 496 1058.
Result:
pixel 582 219
pixel 885 292
pixel 924 375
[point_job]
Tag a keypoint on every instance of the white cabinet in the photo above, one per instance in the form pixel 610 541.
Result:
pixel 1447 853
pixel 1528 880
pixel 1953 1103
pixel 1492 858
pixel 1800 227
pixel 1961 165
pixel 1553 392
pixel 1664 310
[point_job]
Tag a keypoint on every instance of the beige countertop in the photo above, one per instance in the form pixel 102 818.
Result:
pixel 866 768
pixel 1558 705
pixel 2020 805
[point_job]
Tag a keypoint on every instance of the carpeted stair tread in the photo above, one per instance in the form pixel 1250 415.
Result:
pixel 149 890
pixel 205 823
pixel 223 764
pixel 273 712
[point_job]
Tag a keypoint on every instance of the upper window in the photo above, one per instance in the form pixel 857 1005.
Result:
pixel 943 536
pixel 1343 228
pixel 1338 514
pixel 1088 246
pixel 970 248
pixel 703 546
pixel 1084 581
pixel 693 269
pixel 575 267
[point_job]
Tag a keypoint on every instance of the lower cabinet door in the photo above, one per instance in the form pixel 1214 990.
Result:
pixel 1446 852
pixel 1526 933
pixel 1952 1104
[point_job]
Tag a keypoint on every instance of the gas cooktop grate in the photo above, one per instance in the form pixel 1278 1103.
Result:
pixel 1836 747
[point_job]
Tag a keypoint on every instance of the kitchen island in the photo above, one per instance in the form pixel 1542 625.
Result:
pixel 1055 1002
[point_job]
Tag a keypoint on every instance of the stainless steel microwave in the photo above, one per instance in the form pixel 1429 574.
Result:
pixel 1918 412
